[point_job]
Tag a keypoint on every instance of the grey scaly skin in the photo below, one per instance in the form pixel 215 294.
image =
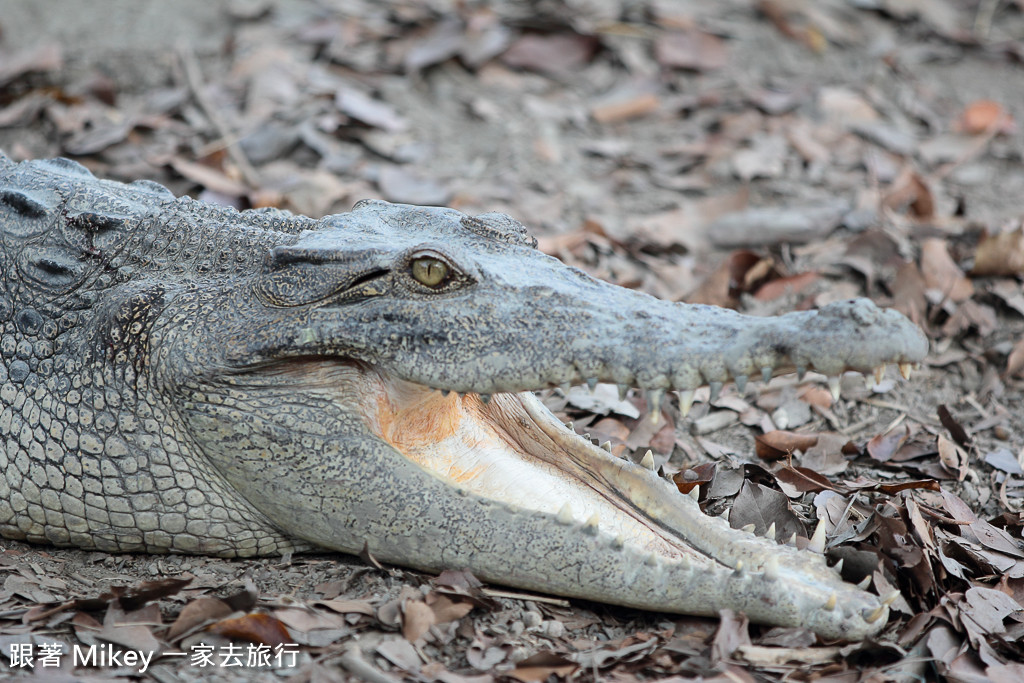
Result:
pixel 178 377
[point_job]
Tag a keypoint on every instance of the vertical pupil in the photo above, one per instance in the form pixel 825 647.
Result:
pixel 430 272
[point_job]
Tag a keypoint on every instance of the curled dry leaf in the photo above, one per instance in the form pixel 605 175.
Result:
pixel 557 53
pixel 195 613
pixel 780 444
pixel 701 475
pixel 541 666
pixel 255 628
pixel 983 116
pixel 941 273
pixel 417 618
pixel 1001 253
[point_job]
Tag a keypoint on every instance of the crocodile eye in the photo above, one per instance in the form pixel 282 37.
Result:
pixel 430 271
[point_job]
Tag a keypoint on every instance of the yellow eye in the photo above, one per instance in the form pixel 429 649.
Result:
pixel 430 271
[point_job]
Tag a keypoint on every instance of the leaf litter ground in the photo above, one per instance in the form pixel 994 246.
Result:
pixel 766 156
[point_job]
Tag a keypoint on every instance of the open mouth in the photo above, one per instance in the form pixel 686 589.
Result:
pixel 649 546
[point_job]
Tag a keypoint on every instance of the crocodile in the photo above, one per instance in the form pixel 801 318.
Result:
pixel 179 377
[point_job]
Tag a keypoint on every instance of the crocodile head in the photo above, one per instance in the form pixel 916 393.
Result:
pixel 384 364
pixel 367 381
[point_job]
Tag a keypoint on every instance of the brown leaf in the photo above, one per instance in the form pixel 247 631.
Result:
pixel 983 116
pixel 255 628
pixel 537 668
pixel 626 108
pixel 557 53
pixel 196 612
pixel 786 286
pixel 780 444
pixel 1015 361
pixel 208 177
pixel 803 480
pixel 883 446
pixel 448 609
pixel 908 293
pixel 693 50
pixel 761 506
pixel 1000 253
pixel 39 57
pixel 952 457
pixel 342 606
pixel 893 489
pixel 373 112
pixel 941 272
pixel 955 429
pixel 417 618
pixel 910 190
pixel 701 475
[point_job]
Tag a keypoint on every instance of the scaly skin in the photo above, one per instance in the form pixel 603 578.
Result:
pixel 178 377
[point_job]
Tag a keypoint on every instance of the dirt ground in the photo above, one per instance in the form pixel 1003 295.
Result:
pixel 766 156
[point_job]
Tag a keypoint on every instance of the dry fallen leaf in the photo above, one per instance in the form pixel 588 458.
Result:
pixel 941 273
pixel 255 628
pixel 780 444
pixel 1001 253
pixel 983 116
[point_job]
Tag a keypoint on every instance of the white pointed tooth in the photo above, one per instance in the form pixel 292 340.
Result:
pixel 648 460
pixel 741 383
pixel 817 543
pixel 716 390
pixel 564 388
pixel 748 528
pixel 695 493
pixel 651 560
pixel 839 567
pixel 654 404
pixel 870 382
pixel 770 534
pixel 766 374
pixel 619 542
pixel 684 562
pixel 771 567
pixel 905 369
pixel 607 445
pixel 686 401
pixel 623 390
pixel 739 566
pixel 875 614
pixel 565 515
pixel 879 374
pixel 591 524
pixel 592 383
pixel 890 598
pixel 864 583
pixel 570 426
pixel 834 387
pixel 832 601
pixel 801 370
pixel 792 539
